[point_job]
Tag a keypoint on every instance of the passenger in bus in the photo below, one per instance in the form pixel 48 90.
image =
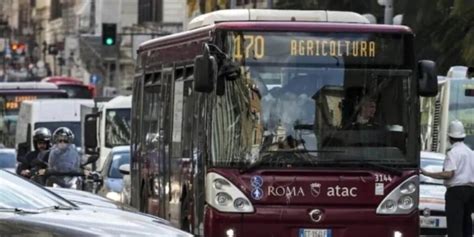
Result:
pixel 41 144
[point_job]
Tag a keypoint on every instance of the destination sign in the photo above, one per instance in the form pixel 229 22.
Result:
pixel 13 103
pixel 318 48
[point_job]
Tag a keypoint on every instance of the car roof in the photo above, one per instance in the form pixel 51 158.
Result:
pixel 118 149
pixel 432 155
pixel 8 150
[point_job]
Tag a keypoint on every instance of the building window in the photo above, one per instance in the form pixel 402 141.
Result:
pixel 56 9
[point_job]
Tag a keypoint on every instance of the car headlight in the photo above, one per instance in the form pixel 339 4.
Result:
pixel 156 186
pixel 114 196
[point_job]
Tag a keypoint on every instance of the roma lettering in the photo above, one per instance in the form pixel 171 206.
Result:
pixel 336 48
pixel 283 191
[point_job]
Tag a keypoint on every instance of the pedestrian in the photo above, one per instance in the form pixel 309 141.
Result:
pixel 458 176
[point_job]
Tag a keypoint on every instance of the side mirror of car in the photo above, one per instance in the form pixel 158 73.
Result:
pixel 125 169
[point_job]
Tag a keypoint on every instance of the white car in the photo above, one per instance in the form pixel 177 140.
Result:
pixel 432 202
pixel 432 215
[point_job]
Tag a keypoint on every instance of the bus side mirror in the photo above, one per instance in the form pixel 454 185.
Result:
pixel 90 134
pixel 427 78
pixel 205 71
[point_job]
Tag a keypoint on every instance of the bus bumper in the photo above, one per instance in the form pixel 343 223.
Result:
pixel 287 221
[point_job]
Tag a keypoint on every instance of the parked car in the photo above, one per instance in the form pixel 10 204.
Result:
pixel 112 178
pixel 431 207
pixel 8 159
pixel 28 209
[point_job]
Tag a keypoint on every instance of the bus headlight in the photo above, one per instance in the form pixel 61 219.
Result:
pixel 408 188
pixel 222 195
pixel 405 202
pixel 223 199
pixel 401 200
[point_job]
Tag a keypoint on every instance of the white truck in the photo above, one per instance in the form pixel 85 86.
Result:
pixel 49 113
pixel 455 100
pixel 106 125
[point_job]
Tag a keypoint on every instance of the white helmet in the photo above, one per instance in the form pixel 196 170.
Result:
pixel 456 129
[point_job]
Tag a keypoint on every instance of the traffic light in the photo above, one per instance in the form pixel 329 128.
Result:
pixel 109 34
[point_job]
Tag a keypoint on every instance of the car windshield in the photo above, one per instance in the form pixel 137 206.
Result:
pixel 74 126
pixel 432 165
pixel 118 159
pixel 76 91
pixel 16 192
pixel 117 127
pixel 7 160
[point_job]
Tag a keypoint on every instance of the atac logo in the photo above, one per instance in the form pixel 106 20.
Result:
pixel 315 189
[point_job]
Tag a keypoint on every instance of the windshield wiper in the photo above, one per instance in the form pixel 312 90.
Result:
pixel 20 210
pixel 369 164
pixel 57 207
pixel 278 153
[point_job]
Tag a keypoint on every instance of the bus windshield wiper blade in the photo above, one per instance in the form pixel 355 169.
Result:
pixel 270 154
pixel 369 164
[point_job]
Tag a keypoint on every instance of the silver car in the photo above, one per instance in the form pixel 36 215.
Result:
pixel 112 178
pixel 8 159
pixel 27 209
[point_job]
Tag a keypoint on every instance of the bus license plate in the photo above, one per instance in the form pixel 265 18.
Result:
pixel 315 233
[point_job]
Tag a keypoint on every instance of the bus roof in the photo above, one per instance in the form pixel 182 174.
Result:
pixel 276 15
pixel 63 80
pixel 301 26
pixel 26 85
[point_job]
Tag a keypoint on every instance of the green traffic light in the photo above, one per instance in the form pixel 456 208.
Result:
pixel 109 41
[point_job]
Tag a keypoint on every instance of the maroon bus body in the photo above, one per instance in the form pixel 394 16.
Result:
pixel 275 215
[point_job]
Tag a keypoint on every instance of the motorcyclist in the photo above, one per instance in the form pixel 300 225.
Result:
pixel 41 144
pixel 63 159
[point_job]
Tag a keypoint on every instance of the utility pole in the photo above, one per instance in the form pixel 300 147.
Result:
pixel 233 4
pixel 388 13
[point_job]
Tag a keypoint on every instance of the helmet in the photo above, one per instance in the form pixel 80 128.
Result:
pixel 63 133
pixel 41 135
pixel 456 129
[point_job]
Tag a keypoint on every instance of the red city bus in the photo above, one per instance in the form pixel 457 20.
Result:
pixel 244 125
pixel 74 87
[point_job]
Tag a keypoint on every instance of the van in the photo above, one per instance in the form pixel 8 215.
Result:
pixel 49 113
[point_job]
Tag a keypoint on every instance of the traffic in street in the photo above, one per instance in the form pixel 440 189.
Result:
pixel 231 118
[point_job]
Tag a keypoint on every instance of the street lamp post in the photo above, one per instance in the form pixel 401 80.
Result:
pixel 388 13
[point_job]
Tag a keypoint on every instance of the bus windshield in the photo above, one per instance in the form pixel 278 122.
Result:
pixel 461 106
pixel 77 91
pixel 117 127
pixel 290 111
pixel 10 107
